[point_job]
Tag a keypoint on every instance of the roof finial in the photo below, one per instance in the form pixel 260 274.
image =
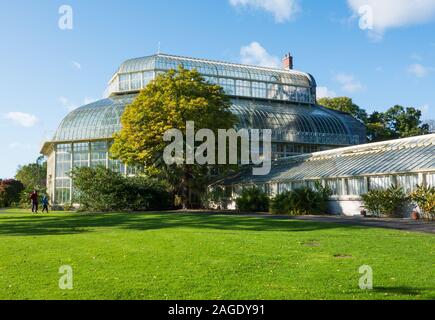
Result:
pixel 158 48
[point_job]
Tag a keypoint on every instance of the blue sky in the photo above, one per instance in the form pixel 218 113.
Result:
pixel 48 71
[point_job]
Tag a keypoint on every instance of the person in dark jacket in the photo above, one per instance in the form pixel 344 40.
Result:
pixel 34 201
pixel 44 203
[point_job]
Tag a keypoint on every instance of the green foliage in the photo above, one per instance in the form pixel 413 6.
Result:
pixel 384 202
pixel 253 200
pixel 33 176
pixel 100 189
pixel 302 201
pixel 396 122
pixel 10 191
pixel 219 196
pixel 344 104
pixel 168 102
pixel 424 197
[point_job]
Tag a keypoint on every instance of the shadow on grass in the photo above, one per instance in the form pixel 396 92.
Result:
pixel 81 223
pixel 402 291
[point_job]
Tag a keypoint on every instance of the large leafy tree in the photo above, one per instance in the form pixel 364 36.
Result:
pixel 344 104
pixel 33 175
pixel 405 122
pixel 167 103
pixel 396 122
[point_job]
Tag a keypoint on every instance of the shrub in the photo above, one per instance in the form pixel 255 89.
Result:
pixel 253 200
pixel 100 189
pixel 143 193
pixel 424 197
pixel 384 202
pixel 216 198
pixel 302 201
pixel 10 191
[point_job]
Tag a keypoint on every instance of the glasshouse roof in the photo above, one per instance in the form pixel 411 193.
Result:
pixel 393 157
pixel 290 123
pixel 98 120
pixel 164 62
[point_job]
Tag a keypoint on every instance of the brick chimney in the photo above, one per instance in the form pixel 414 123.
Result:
pixel 287 62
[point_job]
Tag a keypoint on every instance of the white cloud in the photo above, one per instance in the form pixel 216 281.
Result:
pixel 324 92
pixel 77 64
pixel 282 10
pixel 349 83
pixel 70 105
pixel 255 54
pixel 22 119
pixel 419 70
pixel 389 14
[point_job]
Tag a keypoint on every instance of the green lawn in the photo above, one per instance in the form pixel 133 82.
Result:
pixel 185 256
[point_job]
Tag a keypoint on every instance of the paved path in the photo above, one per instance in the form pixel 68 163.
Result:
pixel 396 224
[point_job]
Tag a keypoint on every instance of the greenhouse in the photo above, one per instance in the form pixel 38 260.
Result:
pixel 349 172
pixel 283 100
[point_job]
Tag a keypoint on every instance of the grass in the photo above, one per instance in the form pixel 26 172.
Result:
pixel 186 256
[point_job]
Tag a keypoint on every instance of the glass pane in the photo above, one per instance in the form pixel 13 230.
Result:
pixel 99 154
pixel 136 81
pixel 124 82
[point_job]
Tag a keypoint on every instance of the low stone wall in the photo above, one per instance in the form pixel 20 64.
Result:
pixel 346 206
pixel 352 206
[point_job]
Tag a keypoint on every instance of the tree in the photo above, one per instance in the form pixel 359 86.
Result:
pixel 10 192
pixel 33 175
pixel 405 122
pixel 377 129
pixel 167 103
pixel 100 189
pixel 344 104
pixel 396 122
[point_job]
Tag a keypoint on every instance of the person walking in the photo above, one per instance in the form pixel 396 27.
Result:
pixel 34 201
pixel 44 203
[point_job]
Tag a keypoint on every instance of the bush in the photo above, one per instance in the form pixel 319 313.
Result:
pixel 253 200
pixel 100 189
pixel 10 191
pixel 424 197
pixel 302 201
pixel 145 194
pixel 384 202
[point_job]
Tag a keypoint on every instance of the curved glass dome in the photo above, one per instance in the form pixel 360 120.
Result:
pixel 98 120
pixel 300 124
pixel 289 123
